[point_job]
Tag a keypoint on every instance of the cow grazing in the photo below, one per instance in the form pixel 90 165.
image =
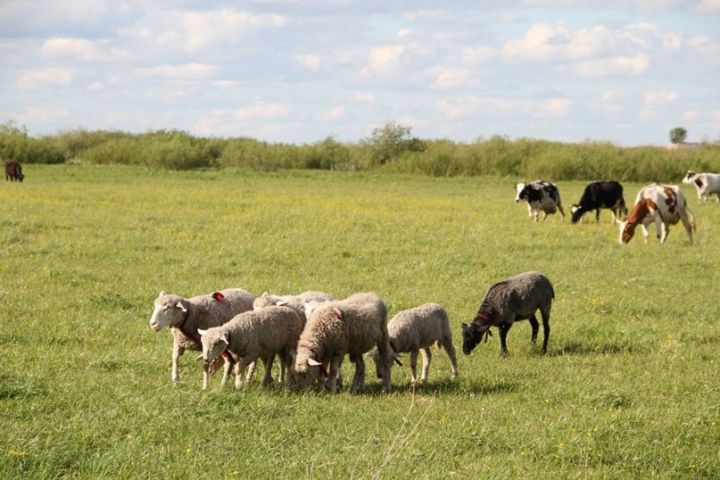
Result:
pixel 541 196
pixel 663 204
pixel 13 172
pixel 599 195
pixel 706 184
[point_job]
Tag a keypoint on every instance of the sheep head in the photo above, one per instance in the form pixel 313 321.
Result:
pixel 214 344
pixel 473 334
pixel 168 311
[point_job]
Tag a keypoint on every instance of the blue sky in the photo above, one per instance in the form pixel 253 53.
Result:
pixel 300 71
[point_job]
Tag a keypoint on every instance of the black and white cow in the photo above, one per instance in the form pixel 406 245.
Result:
pixel 541 196
pixel 599 195
pixel 706 183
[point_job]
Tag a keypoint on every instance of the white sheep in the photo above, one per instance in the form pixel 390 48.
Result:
pixel 184 316
pixel 415 330
pixel 515 298
pixel 296 302
pixel 263 334
pixel 351 326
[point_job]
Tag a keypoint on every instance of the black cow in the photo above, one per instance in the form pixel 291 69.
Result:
pixel 599 195
pixel 13 171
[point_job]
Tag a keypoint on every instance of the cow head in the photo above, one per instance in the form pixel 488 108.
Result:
pixel 519 187
pixel 689 177
pixel 627 230
pixel 577 213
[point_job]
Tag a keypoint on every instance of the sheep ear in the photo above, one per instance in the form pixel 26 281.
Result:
pixel 224 338
pixel 314 363
pixel 199 357
pixel 338 313
pixel 201 331
pixel 465 326
pixel 181 307
pixel 281 303
pixel 265 294
pixel 162 292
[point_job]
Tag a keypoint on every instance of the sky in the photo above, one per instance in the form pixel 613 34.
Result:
pixel 624 71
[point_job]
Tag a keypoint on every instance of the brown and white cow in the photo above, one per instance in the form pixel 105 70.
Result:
pixel 663 204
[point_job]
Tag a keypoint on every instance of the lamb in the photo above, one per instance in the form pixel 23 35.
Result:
pixel 351 326
pixel 516 298
pixel 185 316
pixel 296 302
pixel 255 334
pixel 415 330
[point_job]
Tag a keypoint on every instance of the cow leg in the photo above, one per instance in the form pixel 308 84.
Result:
pixel 562 212
pixel 546 327
pixel 597 215
pixel 687 224
pixel 530 211
pixel 660 229
pixel 504 329
pixel 644 226
pixel 535 327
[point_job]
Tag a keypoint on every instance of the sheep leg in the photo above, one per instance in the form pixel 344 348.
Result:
pixel 383 347
pixel 227 368
pixel 239 370
pixel 427 358
pixel 504 329
pixel 535 328
pixel 413 366
pixel 206 377
pixel 176 354
pixel 546 328
pixel 450 349
pixel 335 364
pixel 268 361
pixel 359 379
pixel 250 371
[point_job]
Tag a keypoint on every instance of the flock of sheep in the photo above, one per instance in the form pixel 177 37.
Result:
pixel 311 332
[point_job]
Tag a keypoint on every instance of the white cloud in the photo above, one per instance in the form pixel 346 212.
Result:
pixel 451 78
pixel 366 97
pixel 659 97
pixel 709 6
pixel 81 49
pixel 403 32
pixel 547 42
pixel 197 30
pixel 691 115
pixel 311 62
pixel 39 115
pixel 47 76
pixel 616 66
pixel 558 106
pixel 95 87
pixel 262 111
pixel 334 113
pixel 189 71
pixel 704 45
pixel 479 54
pixel 385 59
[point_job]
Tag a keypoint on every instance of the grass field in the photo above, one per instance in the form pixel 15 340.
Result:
pixel 630 386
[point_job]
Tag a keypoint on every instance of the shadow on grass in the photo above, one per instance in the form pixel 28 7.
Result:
pixel 578 348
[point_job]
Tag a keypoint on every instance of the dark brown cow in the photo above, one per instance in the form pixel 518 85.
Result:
pixel 13 171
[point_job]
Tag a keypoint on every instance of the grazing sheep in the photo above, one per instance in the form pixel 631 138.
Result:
pixel 185 316
pixel 256 334
pixel 415 330
pixel 351 326
pixel 296 302
pixel 516 298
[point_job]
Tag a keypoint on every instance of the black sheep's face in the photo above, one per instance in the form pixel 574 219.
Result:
pixel 472 334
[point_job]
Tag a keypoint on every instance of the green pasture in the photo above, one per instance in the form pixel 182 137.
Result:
pixel 629 388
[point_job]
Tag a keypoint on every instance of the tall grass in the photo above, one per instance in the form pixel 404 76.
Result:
pixel 627 388
pixel 522 158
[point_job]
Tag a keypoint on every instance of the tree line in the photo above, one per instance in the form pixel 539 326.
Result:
pixel 390 148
